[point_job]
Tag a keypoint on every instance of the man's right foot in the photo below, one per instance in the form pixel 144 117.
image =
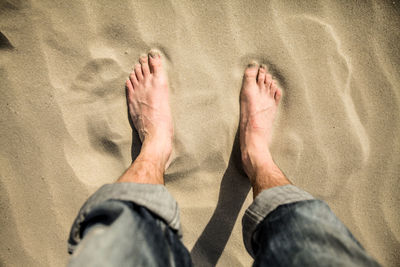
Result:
pixel 259 100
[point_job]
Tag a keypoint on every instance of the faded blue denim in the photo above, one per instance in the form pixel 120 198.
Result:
pixel 130 224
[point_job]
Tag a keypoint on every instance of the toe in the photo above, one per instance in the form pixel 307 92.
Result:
pixel 138 72
pixel 261 75
pixel 155 61
pixel 144 62
pixel 278 95
pixel 133 79
pixel 273 88
pixel 268 81
pixel 251 71
pixel 129 90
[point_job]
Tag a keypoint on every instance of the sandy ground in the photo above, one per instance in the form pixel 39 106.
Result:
pixel 65 131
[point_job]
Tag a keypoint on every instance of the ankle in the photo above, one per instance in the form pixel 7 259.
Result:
pixel 149 166
pixel 143 171
pixel 157 150
pixel 267 176
pixel 255 160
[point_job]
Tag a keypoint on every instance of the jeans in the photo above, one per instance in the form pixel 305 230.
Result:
pixel 127 224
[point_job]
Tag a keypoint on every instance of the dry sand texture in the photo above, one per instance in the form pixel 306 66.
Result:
pixel 65 132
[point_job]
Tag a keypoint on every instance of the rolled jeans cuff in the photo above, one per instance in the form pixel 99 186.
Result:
pixel 155 198
pixel 266 202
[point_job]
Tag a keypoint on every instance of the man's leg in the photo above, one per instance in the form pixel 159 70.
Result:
pixel 284 226
pixel 135 222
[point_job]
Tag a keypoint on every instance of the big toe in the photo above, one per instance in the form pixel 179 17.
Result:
pixel 250 73
pixel 155 61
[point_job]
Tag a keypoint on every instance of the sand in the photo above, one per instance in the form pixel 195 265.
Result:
pixel 65 131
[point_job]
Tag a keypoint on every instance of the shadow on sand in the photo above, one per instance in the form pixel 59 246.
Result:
pixel 233 191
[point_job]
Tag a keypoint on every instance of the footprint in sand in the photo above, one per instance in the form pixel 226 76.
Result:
pixel 97 77
pixel 102 134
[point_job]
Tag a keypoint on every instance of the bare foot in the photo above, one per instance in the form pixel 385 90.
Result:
pixel 259 100
pixel 148 102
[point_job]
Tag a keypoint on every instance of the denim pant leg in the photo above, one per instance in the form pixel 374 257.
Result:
pixel 128 225
pixel 286 226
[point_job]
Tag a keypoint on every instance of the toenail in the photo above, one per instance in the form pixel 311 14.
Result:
pixel 252 64
pixel 263 66
pixel 154 53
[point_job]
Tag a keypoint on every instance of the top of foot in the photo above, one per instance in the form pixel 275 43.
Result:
pixel 148 102
pixel 259 99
